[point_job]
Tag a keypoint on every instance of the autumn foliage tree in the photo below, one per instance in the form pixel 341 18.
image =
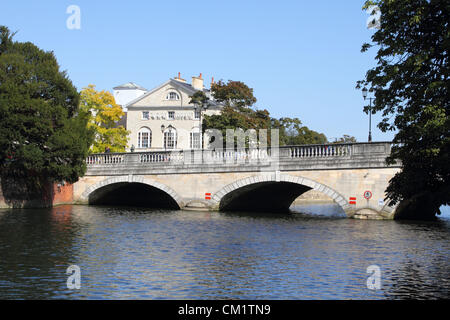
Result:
pixel 104 117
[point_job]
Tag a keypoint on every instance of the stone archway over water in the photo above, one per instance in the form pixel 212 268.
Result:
pixel 271 192
pixel 132 191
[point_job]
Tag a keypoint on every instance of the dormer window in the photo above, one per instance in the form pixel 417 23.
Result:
pixel 173 96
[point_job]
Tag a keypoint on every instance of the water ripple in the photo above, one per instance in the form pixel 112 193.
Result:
pixel 127 253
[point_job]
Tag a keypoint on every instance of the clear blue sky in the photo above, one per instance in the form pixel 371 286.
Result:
pixel 302 58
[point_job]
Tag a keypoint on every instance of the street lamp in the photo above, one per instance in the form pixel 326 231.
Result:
pixel 364 93
pixel 199 108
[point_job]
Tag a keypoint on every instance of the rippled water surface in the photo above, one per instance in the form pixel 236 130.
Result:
pixel 127 253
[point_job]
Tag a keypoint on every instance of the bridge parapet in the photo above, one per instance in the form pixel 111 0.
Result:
pixel 302 157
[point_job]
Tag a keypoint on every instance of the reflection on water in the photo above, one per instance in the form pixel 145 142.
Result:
pixel 127 253
pixel 327 209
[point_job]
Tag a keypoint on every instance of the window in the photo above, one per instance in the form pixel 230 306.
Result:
pixel 170 138
pixel 145 115
pixel 144 138
pixel 171 115
pixel 173 96
pixel 195 140
pixel 196 114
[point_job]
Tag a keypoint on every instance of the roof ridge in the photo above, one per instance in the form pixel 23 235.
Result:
pixel 129 85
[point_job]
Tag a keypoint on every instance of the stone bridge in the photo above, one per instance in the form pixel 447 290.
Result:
pixel 354 175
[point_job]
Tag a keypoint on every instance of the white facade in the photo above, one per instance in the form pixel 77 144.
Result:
pixel 163 118
pixel 126 93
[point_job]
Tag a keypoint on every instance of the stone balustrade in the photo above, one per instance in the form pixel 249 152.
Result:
pixel 306 157
pixel 284 153
pixel 329 150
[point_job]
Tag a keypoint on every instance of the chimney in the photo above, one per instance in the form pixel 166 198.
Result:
pixel 179 78
pixel 197 82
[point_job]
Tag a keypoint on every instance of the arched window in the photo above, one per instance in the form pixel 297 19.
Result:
pixel 173 96
pixel 144 138
pixel 170 138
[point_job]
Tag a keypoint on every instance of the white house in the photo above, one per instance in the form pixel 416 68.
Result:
pixel 163 118
pixel 127 92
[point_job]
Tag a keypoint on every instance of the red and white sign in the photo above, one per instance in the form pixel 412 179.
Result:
pixel 207 196
pixel 367 195
pixel 352 200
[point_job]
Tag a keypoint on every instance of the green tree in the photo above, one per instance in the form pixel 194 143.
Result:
pixel 345 139
pixel 238 113
pixel 244 118
pixel 104 115
pixel 233 94
pixel 292 132
pixel 411 86
pixel 199 98
pixel 43 134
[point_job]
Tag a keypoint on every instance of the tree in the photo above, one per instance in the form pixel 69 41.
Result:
pixel 199 98
pixel 233 94
pixel 237 113
pixel 43 134
pixel 411 85
pixel 345 139
pixel 292 132
pixel 104 115
pixel 245 119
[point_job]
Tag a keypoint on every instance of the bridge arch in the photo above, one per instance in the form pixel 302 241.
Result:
pixel 281 187
pixel 98 190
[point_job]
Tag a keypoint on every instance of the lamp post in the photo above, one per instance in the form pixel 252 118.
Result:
pixel 364 93
pixel 200 108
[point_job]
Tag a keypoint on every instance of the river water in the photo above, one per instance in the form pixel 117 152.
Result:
pixel 131 253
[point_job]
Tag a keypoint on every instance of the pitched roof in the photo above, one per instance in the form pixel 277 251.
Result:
pixel 129 85
pixel 182 85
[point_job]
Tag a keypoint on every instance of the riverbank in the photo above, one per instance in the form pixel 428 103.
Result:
pixel 16 195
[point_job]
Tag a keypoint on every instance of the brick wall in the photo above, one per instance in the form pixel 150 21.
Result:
pixel 62 194
pixel 14 195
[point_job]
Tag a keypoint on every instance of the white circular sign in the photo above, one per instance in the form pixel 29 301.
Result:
pixel 367 195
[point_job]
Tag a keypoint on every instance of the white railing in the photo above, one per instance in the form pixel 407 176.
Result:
pixel 286 153
pixel 320 151
pixel 154 157
pixel 113 158
pixel 162 156
pixel 235 155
